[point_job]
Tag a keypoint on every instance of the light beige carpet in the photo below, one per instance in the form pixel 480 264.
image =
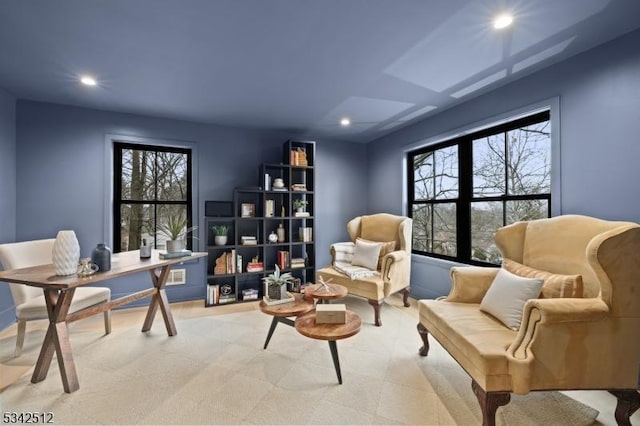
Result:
pixel 216 372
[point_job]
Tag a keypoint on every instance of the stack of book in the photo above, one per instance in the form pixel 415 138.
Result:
pixel 302 214
pixel 283 260
pixel 250 294
pixel 174 254
pixel 248 240
pixel 297 262
pixel 255 267
pixel 226 298
pixel 298 187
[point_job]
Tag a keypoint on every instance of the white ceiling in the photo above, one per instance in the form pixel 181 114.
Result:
pixel 291 65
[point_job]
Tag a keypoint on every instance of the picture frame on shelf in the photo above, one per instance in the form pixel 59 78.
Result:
pixel 247 210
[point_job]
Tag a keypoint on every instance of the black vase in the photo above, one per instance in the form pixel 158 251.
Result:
pixel 101 256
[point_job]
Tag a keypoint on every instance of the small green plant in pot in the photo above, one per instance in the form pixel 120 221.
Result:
pixel 277 284
pixel 175 229
pixel 300 205
pixel 220 233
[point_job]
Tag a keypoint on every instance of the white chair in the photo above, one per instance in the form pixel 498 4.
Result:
pixel 29 301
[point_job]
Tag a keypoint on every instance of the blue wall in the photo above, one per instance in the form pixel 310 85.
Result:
pixel 599 93
pixel 7 191
pixel 62 181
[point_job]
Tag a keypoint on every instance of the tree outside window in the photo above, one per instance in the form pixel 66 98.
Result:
pixel 461 191
pixel 152 197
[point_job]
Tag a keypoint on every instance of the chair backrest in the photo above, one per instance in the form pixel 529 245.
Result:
pixel 24 255
pixel 603 252
pixel 383 227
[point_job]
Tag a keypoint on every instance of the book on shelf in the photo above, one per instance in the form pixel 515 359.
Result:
pixel 302 214
pixel 305 234
pixel 267 182
pixel 213 294
pixel 298 157
pixel 279 189
pixel 284 259
pixel 271 302
pixel 174 254
pixel 269 208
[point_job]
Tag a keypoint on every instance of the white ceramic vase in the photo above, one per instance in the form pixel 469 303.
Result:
pixel 66 253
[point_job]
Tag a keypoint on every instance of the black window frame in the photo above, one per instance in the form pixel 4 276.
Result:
pixel 465 185
pixel 118 201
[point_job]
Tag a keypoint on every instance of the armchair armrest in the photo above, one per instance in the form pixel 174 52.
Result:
pixel 543 339
pixel 395 271
pixel 470 283
pixel 341 252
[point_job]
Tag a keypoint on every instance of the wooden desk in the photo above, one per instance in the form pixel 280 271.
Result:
pixel 58 293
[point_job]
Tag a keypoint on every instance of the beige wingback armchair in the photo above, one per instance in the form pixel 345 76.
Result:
pixel 394 266
pixel 592 342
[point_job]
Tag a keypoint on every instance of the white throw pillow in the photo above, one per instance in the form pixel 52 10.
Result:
pixel 507 295
pixel 366 254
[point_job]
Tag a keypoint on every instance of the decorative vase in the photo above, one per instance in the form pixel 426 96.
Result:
pixel 174 246
pixel 66 253
pixel 101 256
pixel 220 240
pixel 273 237
pixel 280 233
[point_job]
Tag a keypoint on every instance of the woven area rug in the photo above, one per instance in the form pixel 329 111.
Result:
pixel 216 372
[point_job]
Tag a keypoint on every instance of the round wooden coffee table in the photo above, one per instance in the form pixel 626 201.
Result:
pixel 326 292
pixel 306 325
pixel 281 311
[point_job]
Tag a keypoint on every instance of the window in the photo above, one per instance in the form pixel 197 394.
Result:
pixel 152 195
pixel 462 190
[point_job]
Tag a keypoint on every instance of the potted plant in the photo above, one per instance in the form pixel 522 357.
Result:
pixel 175 229
pixel 300 205
pixel 220 233
pixel 277 284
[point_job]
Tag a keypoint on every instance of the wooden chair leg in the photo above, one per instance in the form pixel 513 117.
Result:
pixel 628 403
pixel 376 311
pixel 489 403
pixel 22 330
pixel 424 335
pixel 405 296
pixel 107 322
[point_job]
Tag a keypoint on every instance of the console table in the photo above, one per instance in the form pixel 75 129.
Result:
pixel 58 293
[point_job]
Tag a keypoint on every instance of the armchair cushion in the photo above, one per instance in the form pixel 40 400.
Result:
pixel 366 254
pixel 554 285
pixel 386 248
pixel 507 295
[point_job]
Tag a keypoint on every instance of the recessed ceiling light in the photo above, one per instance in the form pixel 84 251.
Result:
pixel 88 81
pixel 502 21
pixel 345 122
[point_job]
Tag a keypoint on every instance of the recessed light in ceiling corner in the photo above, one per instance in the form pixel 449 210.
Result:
pixel 502 21
pixel 344 122
pixel 88 80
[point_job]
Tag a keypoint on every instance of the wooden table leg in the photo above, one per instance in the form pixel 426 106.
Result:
pixel 57 339
pixel 160 300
